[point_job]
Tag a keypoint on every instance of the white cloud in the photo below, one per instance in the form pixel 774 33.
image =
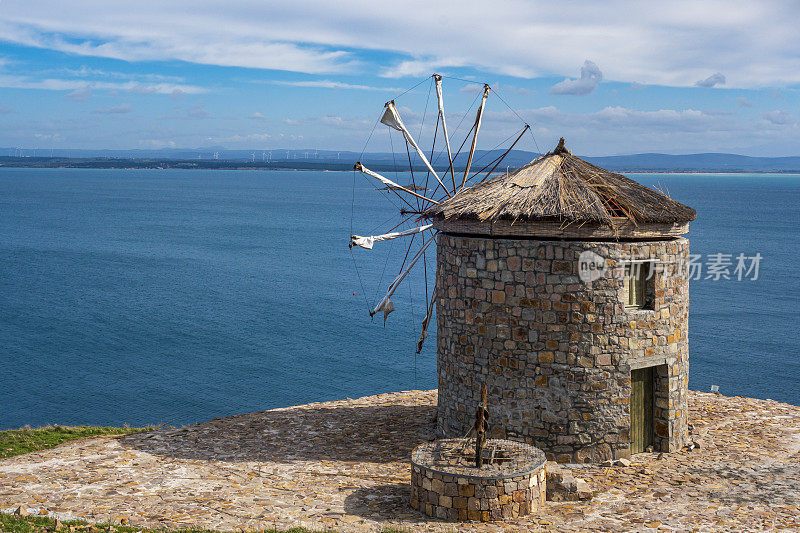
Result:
pixel 238 138
pixel 667 43
pixel 88 72
pixel 471 88
pixel 328 84
pixel 113 110
pixel 503 88
pixel 47 136
pixel 197 111
pixel 616 129
pixel 711 81
pixel 142 32
pixel 590 78
pixel 156 143
pixel 744 102
pixel 258 116
pixel 80 95
pixel 610 130
pixel 338 122
pixel 60 84
pixel 779 117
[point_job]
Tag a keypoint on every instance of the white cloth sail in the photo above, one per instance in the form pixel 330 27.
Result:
pixel 386 304
pixel 368 242
pixel 478 117
pixel 440 100
pixel 392 186
pixel 392 119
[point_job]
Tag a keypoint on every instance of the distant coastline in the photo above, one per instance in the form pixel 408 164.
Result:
pixel 213 164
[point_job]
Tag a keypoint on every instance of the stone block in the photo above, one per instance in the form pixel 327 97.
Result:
pixel 563 342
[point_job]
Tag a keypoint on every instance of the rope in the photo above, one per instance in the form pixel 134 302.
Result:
pixel 452 135
pixel 394 161
pixel 519 117
pixel 434 157
pixel 425 113
pixel 411 89
pixel 380 281
pixel 487 152
pixel 386 194
pixel 419 140
pixel 377 227
pixel 413 181
pixel 497 92
pixel 433 147
pixel 363 289
pixel 370 137
pixel 501 156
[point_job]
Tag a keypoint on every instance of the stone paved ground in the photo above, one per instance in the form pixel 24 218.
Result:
pixel 344 465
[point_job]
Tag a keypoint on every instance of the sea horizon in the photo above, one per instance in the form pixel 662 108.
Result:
pixel 147 297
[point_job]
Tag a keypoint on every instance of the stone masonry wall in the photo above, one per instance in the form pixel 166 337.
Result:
pixel 460 498
pixel 555 352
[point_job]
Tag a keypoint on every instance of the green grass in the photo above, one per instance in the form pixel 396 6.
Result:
pixel 19 441
pixel 41 524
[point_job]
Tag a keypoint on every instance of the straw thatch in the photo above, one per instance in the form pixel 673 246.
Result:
pixel 562 187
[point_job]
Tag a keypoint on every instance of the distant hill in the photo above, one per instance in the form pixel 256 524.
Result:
pixel 697 163
pixel 218 157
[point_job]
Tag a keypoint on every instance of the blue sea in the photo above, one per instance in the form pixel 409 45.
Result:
pixel 169 296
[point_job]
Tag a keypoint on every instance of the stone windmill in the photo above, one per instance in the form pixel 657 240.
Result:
pixel 563 288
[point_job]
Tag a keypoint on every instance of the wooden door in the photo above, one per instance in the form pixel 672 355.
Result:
pixel 641 409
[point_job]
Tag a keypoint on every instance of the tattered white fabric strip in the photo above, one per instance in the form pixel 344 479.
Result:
pixel 392 119
pixel 426 322
pixel 392 185
pixel 386 305
pixel 440 99
pixel 478 117
pixel 367 242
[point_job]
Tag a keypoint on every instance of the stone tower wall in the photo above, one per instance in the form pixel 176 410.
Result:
pixel 556 353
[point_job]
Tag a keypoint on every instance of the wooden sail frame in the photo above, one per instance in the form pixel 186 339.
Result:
pixel 391 118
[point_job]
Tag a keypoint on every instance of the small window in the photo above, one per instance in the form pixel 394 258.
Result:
pixel 639 285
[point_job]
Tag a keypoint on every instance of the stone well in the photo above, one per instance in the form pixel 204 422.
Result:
pixel 446 484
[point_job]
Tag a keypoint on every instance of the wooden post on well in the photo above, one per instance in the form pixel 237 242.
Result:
pixel 480 428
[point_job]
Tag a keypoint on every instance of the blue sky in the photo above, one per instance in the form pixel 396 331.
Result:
pixel 612 77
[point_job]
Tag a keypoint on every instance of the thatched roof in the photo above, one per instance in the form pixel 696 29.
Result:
pixel 561 187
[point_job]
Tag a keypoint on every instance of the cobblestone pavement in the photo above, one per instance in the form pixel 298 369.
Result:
pixel 344 465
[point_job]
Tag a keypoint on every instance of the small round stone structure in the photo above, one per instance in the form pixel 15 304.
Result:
pixel 446 484
pixel 564 288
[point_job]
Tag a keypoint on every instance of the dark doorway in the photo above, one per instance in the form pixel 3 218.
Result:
pixel 642 427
